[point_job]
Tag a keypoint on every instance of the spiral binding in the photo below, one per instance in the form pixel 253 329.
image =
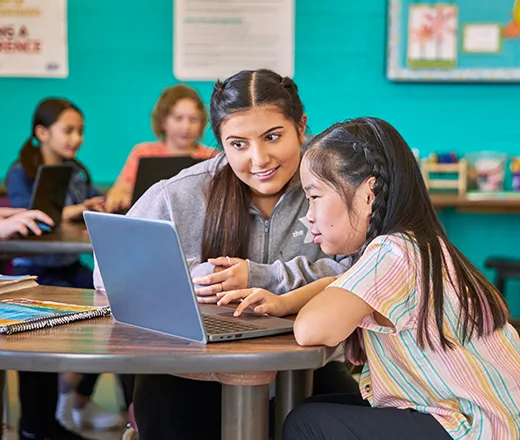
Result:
pixel 63 318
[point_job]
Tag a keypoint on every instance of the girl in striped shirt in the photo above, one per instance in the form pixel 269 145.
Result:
pixel 440 361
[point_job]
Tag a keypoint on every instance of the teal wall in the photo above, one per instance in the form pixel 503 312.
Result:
pixel 121 58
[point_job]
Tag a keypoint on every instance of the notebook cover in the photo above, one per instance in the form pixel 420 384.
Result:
pixel 21 314
pixel 12 283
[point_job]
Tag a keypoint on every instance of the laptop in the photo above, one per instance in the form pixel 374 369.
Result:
pixel 152 169
pixel 148 283
pixel 50 192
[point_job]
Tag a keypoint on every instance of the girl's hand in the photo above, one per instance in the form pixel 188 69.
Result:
pixel 230 274
pixel 95 204
pixel 259 301
pixel 72 212
pixel 8 211
pixel 118 198
pixel 22 223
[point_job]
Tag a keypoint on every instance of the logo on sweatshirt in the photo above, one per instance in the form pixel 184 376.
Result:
pixel 308 237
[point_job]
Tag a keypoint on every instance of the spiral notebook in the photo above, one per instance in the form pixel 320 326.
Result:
pixel 20 314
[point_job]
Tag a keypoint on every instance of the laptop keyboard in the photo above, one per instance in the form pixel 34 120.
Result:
pixel 216 326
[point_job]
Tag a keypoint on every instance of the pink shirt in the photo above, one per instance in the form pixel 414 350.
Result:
pixel 473 390
pixel 156 149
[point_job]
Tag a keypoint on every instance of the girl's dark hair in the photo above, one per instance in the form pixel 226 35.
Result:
pixel 46 114
pixel 346 155
pixel 226 225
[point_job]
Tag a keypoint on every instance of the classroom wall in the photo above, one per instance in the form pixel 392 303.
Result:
pixel 121 57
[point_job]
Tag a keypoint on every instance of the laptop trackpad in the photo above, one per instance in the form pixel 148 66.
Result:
pixel 247 316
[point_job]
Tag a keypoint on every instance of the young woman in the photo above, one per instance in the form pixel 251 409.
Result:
pixel 241 219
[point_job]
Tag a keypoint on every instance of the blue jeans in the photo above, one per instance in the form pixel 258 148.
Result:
pixel 75 275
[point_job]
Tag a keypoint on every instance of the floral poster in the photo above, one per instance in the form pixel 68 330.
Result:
pixel 432 36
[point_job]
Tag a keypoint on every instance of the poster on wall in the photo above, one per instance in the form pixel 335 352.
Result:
pixel 455 40
pixel 213 39
pixel 33 38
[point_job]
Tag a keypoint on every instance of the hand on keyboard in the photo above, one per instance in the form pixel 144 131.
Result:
pixel 260 301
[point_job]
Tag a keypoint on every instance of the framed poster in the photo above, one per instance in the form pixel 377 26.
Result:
pixel 33 38
pixel 213 40
pixel 462 40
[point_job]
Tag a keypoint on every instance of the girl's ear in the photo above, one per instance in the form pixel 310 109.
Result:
pixel 302 126
pixel 369 190
pixel 42 133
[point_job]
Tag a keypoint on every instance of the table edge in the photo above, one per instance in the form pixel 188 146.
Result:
pixel 164 364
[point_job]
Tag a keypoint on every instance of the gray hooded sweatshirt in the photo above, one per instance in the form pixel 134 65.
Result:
pixel 282 255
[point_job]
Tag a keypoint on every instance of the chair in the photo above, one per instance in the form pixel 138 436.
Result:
pixel 506 268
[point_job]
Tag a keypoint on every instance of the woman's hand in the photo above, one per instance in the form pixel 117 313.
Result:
pixel 230 274
pixel 259 301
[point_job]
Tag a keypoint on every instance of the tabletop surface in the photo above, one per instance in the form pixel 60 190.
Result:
pixel 103 345
pixel 68 238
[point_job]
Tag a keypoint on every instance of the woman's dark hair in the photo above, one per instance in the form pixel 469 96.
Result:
pixel 226 225
pixel 346 155
pixel 46 114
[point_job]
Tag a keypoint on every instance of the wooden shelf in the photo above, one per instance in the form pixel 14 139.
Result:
pixel 462 203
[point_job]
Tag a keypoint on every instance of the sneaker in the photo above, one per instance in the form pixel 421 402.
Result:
pixel 94 417
pixel 64 410
pixel 60 433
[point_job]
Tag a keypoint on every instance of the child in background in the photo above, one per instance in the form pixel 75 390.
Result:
pixel 178 121
pixel 58 129
pixel 440 361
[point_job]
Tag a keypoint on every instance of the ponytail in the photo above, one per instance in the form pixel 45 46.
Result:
pixel 31 158
pixel 227 220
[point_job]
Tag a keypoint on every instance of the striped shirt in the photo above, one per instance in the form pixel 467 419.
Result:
pixel 473 390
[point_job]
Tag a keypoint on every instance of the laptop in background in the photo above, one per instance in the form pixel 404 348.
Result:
pixel 50 191
pixel 148 283
pixel 152 169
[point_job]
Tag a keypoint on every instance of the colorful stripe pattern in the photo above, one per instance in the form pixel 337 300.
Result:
pixel 473 390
